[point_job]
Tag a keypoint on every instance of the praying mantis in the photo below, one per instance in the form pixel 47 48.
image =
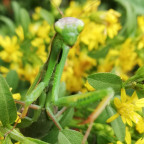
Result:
pixel 67 30
pixel 46 86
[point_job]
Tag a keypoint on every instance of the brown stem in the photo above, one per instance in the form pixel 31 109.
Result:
pixel 60 112
pixel 32 106
pixel 87 133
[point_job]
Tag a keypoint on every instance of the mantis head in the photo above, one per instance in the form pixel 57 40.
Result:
pixel 69 28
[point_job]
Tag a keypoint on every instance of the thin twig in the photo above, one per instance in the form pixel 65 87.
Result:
pixel 57 8
pixel 13 126
pixel 48 113
pixel 94 115
pixel 32 106
pixel 87 133
pixel 60 112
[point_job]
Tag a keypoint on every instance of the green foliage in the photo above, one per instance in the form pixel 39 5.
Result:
pixel 69 137
pixel 104 80
pixel 24 19
pixel 9 23
pixel 47 16
pixel 117 125
pixel 12 79
pixel 8 112
pixel 16 9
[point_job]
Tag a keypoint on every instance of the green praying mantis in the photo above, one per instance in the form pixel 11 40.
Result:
pixel 47 83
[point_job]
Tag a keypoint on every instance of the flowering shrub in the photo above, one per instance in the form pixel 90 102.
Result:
pixel 103 74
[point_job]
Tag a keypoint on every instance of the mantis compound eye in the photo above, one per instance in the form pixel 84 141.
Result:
pixel 69 28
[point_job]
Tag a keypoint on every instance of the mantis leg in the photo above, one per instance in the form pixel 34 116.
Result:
pixel 84 99
pixel 37 113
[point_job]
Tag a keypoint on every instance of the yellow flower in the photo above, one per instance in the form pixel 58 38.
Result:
pixel 106 65
pixel 4 70
pixel 16 96
pixel 112 24
pixel 40 30
pixel 33 28
pixel 128 138
pixel 127 107
pixel 88 86
pixel 141 43
pixel 0 123
pixel 57 2
pixel 1 138
pixel 10 50
pixel 43 31
pixel 73 10
pixel 30 72
pixel 18 120
pixel 94 38
pixel 42 53
pixel 20 33
pixel 37 42
pixel 127 56
pixel 36 15
pixel 118 142
pixel 140 21
pixel 140 141
pixel 17 143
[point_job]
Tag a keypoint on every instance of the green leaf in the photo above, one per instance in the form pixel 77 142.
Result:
pixel 47 16
pixel 129 26
pixel 7 140
pixel 36 141
pixel 69 137
pixel 8 112
pixel 138 77
pixel 67 117
pixel 12 79
pixel 138 5
pixel 24 19
pixel 102 140
pixel 8 22
pixel 100 53
pixel 140 71
pixel 63 139
pixel 105 80
pixel 117 125
pixel 52 136
pixel 16 9
pixel 62 89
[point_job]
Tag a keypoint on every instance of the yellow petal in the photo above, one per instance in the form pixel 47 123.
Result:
pixel 16 96
pixel 140 102
pixel 123 119
pixel 117 102
pixel 140 141
pixel 128 136
pixel 129 122
pixel 118 142
pixel 123 95
pixel 112 118
pixel 135 117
